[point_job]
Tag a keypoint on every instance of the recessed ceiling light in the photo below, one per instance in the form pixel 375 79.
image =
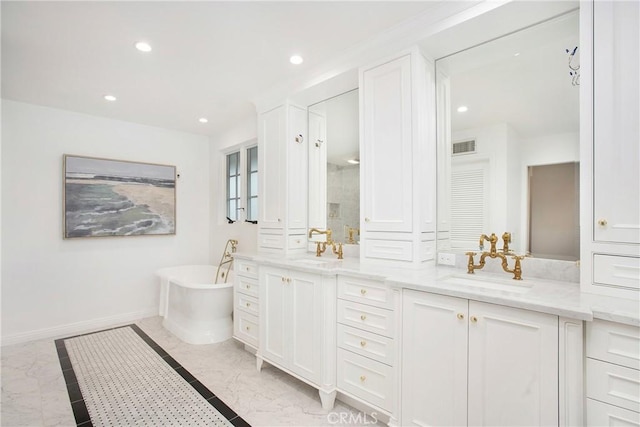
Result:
pixel 203 120
pixel 516 54
pixel 462 109
pixel 143 47
pixel 354 161
pixel 296 59
pixel 110 97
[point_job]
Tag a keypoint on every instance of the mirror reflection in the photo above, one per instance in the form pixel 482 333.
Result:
pixel 508 117
pixel 334 170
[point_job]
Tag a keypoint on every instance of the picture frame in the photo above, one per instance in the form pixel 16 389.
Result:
pixel 108 197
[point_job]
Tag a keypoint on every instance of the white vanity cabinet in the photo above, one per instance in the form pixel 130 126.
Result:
pixel 297 332
pixel 613 374
pixel 282 166
pixel 472 363
pixel 398 161
pixel 610 152
pixel 246 302
pixel 367 344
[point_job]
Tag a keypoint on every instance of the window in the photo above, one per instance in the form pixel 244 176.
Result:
pixel 233 186
pixel 242 196
pixel 252 184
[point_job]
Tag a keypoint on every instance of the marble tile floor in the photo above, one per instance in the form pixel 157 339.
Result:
pixel 34 393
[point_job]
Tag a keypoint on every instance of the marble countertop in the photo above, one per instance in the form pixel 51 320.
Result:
pixel 547 296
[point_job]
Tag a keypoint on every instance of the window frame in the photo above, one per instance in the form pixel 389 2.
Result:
pixel 243 173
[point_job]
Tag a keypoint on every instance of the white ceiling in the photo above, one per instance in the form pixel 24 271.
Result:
pixel 209 59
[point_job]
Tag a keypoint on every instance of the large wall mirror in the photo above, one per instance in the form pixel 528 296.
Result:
pixel 334 170
pixel 508 119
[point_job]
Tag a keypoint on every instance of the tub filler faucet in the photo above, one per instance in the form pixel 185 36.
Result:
pixel 226 260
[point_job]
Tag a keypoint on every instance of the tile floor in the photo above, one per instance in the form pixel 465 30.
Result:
pixel 34 391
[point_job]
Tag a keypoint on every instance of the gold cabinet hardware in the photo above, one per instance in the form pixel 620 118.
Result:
pixel 248 304
pixel 288 279
pixel 279 220
pixel 247 328
pixel 363 317
pixel 299 138
pixel 460 316
pixel 602 222
pixel 366 219
pixel 363 378
pixel 363 291
pixel 247 268
pixel 474 319
pixel 248 287
pixel 282 279
pixel 363 343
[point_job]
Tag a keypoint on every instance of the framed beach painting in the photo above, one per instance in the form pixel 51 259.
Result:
pixel 104 197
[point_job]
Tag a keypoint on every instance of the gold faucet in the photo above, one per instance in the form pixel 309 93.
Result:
pixel 337 252
pixel 318 231
pixel 494 253
pixel 352 231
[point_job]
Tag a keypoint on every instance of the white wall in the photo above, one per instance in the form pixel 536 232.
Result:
pixel 52 286
pixel 245 233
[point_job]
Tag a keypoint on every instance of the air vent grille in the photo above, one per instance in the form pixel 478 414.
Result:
pixel 464 147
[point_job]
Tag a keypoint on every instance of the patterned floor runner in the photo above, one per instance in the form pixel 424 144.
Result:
pixel 121 377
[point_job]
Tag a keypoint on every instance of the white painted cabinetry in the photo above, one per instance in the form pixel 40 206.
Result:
pixel 397 152
pixel 246 303
pixel 282 165
pixel 472 363
pixel 367 345
pixel 613 374
pixel 610 148
pixel 298 326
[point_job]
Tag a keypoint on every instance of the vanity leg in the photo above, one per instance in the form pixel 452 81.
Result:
pixel 259 363
pixel 327 398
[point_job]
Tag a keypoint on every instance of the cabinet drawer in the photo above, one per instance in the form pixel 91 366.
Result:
pixel 600 414
pixel 397 250
pixel 366 379
pixel 365 291
pixel 621 271
pixel 297 241
pixel 366 344
pixel 245 268
pixel 372 319
pixel 614 342
pixel 613 384
pixel 245 328
pixel 247 286
pixel 247 303
pixel 271 241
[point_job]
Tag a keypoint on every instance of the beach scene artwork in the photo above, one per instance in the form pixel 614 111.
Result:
pixel 105 197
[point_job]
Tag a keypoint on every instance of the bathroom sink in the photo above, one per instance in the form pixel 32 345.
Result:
pixel 314 262
pixel 509 285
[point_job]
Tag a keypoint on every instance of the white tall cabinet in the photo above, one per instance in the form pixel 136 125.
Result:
pixel 282 165
pixel 398 161
pixel 610 148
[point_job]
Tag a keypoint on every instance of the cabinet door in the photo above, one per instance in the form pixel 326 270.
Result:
pixel 272 168
pixel 434 360
pixel 616 93
pixel 386 150
pixel 513 367
pixel 296 182
pixel 274 315
pixel 305 309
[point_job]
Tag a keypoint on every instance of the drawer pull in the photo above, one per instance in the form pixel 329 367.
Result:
pixel 363 343
pixel 363 317
pixel 363 291
pixel 602 222
pixel 474 319
pixel 248 304
pixel 248 286
pixel 247 268
pixel 460 316
pixel 247 328
pixel 363 378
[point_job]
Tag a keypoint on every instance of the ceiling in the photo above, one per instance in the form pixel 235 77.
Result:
pixel 209 59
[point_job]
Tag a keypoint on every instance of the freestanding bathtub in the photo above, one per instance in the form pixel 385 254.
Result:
pixel 195 309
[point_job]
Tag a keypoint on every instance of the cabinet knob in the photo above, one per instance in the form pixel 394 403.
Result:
pixel 602 222
pixel 474 319
pixel 366 219
pixel 363 291
pixel 248 287
pixel 282 279
pixel 363 343
pixel 248 304
pixel 247 328
pixel 247 268
pixel 363 317
pixel 363 378
pixel 460 316
pixel 299 138
pixel 279 220
pixel 288 279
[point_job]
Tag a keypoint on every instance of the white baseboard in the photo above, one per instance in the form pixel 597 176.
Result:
pixel 76 328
